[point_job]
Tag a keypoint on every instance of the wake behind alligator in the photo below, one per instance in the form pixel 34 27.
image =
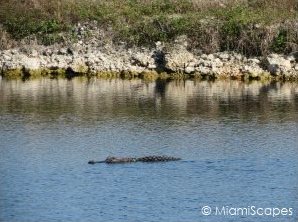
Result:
pixel 149 159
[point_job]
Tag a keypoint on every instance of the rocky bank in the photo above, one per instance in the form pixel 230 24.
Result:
pixel 92 57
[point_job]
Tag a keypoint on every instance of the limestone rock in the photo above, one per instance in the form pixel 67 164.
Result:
pixel 142 59
pixel 253 71
pixel 203 70
pixel 31 63
pixel 178 58
pixel 277 64
pixel 79 65
pixel 254 61
pixel 91 55
pixel 189 69
pixel 224 56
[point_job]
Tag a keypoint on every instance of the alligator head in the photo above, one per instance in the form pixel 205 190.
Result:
pixel 111 159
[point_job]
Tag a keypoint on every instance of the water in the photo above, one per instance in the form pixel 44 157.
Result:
pixel 238 143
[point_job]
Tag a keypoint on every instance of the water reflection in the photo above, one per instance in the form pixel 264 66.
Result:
pixel 126 98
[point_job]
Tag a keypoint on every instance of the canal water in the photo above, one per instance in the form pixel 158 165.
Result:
pixel 238 143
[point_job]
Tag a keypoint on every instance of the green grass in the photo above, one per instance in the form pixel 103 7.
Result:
pixel 237 25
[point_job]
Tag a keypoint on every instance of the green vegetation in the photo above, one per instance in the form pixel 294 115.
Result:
pixel 248 26
pixel 147 76
pixel 62 73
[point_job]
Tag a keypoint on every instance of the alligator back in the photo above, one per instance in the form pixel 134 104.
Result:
pixel 157 159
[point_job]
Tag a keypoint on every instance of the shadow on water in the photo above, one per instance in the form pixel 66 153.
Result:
pixel 70 74
pixel 161 87
pixel 273 86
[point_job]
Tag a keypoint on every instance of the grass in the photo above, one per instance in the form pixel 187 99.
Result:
pixel 253 27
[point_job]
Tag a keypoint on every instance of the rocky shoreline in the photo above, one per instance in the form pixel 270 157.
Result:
pixel 162 61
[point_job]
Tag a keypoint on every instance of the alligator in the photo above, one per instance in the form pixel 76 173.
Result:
pixel 148 159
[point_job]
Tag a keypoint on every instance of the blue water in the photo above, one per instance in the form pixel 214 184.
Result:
pixel 238 143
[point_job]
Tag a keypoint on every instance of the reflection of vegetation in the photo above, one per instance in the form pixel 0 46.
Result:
pixel 13 74
pixel 69 73
pixel 33 74
pixel 166 99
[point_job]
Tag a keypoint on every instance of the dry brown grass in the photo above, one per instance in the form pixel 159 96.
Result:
pixel 6 41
